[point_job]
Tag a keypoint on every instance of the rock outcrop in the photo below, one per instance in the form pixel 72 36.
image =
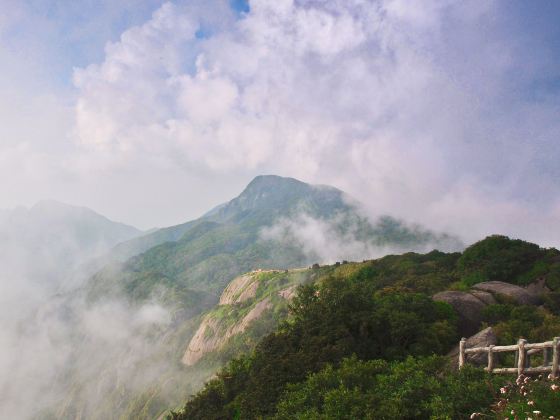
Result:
pixel 468 307
pixel 240 289
pixel 483 338
pixel 485 297
pixel 288 293
pixel 241 303
pixel 205 340
pixel 511 291
pixel 212 334
pixel 538 287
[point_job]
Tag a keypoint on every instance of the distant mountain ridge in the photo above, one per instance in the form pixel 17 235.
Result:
pixel 50 239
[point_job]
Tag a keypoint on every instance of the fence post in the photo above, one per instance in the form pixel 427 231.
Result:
pixel 521 360
pixel 462 345
pixel 555 343
pixel 490 359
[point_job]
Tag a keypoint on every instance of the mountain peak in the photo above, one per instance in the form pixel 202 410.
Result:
pixel 282 188
pixel 277 195
pixel 273 181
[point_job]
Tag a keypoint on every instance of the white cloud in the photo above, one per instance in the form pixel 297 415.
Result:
pixel 405 105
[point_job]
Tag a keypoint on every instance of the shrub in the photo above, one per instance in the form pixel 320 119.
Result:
pixel 498 258
pixel 529 398
pixel 413 388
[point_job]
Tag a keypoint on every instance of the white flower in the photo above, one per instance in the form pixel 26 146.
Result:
pixel 554 387
pixel 530 402
pixel 503 390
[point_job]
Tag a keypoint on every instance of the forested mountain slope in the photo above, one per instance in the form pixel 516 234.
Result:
pixel 247 233
pixel 366 340
pixel 186 269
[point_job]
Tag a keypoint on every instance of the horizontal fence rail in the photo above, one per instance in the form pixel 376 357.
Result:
pixel 523 352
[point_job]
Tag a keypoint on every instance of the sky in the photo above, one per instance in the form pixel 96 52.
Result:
pixel 440 112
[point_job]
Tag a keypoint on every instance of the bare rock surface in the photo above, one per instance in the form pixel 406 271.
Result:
pixel 205 340
pixel 538 287
pixel 211 335
pixel 468 307
pixel 288 293
pixel 483 338
pixel 254 313
pixel 516 293
pixel 485 297
pixel 240 289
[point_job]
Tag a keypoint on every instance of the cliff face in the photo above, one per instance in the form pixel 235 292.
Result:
pixel 244 301
pixel 239 290
pixel 213 333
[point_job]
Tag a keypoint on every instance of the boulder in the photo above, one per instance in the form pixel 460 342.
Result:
pixel 516 293
pixel 483 338
pixel 485 297
pixel 468 307
pixel 538 287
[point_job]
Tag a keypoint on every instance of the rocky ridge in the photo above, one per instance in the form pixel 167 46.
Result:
pixel 241 304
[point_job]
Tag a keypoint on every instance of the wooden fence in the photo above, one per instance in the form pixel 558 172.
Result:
pixel 523 352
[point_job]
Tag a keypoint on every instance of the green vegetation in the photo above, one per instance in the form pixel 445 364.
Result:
pixel 206 254
pixel 528 397
pixel 359 340
pixel 514 261
pixel 365 340
pixel 413 388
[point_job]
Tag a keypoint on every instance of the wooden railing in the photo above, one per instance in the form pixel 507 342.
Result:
pixel 523 351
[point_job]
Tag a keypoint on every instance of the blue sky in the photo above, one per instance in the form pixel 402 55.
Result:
pixel 441 112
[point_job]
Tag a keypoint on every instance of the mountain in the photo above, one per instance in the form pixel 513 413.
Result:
pixel 372 340
pixel 181 274
pixel 258 229
pixel 51 239
pixel 264 199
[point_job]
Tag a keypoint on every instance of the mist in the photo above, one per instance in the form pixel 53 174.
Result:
pixel 353 237
pixel 59 353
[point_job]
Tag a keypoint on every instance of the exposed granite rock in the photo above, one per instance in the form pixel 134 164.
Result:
pixel 206 339
pixel 538 287
pixel 240 289
pixel 210 335
pixel 254 313
pixel 468 307
pixel 485 297
pixel 483 338
pixel 511 291
pixel 288 293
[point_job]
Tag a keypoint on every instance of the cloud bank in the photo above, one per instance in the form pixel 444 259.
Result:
pixel 420 109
